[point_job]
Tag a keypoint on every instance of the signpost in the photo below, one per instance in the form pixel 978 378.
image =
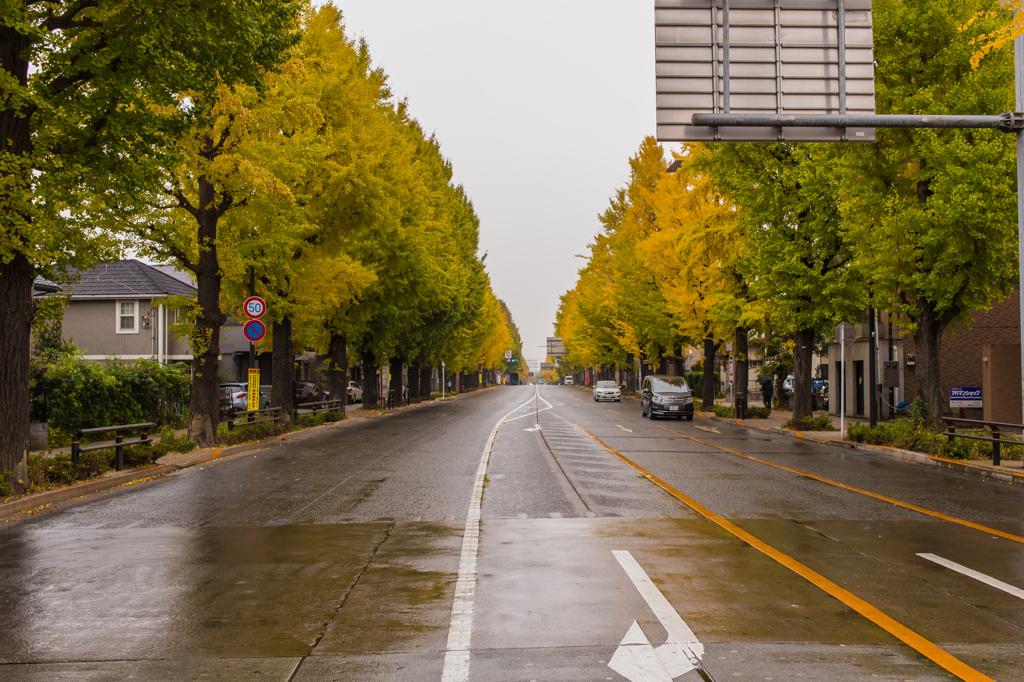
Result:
pixel 254 307
pixel 508 355
pixel 961 397
pixel 763 57
pixel 845 335
pixel 555 347
pixel 253 402
pixel 254 330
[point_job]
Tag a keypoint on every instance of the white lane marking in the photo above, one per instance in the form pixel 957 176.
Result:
pixel 535 428
pixel 533 414
pixel 456 657
pixel 681 651
pixel 624 428
pixel 708 429
pixel 988 580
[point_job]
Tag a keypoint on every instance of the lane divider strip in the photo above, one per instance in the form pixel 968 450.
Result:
pixel 460 630
pixel 890 625
pixel 890 500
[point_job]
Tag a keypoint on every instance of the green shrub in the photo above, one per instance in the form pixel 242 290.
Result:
pixel 724 411
pixel 757 412
pixel 822 423
pixel 86 394
pixel 905 434
pixel 248 434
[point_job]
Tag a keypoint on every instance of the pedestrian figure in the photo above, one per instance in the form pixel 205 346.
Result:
pixel 768 390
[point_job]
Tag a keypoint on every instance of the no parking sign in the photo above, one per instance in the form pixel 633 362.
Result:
pixel 254 330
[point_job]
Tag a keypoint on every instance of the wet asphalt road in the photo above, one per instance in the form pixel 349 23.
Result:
pixel 336 557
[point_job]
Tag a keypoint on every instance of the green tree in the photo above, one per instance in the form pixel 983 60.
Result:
pixel 799 260
pixel 933 213
pixel 112 87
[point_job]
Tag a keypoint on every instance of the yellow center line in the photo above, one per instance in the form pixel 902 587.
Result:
pixel 893 627
pixel 898 503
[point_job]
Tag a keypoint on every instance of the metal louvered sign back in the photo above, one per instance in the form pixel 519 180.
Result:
pixel 793 57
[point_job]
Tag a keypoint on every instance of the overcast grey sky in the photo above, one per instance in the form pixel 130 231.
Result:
pixel 539 106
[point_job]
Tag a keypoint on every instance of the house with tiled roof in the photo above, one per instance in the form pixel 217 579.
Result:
pixel 120 309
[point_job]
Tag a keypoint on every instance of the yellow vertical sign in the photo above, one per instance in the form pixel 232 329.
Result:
pixel 254 389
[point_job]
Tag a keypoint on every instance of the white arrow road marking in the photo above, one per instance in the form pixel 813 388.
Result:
pixel 535 428
pixel 636 659
pixel 988 580
pixel 707 428
pixel 681 651
pixel 625 429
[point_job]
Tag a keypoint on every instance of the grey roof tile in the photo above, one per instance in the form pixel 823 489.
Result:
pixel 128 279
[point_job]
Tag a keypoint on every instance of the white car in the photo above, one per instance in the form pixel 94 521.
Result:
pixel 568 381
pixel 607 390
pixel 355 393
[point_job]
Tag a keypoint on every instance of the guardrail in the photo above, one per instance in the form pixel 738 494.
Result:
pixel 316 407
pixel 119 443
pixel 951 433
pixel 249 414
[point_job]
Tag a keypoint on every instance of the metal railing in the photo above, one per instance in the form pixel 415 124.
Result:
pixel 995 427
pixel 249 417
pixel 119 443
pixel 320 406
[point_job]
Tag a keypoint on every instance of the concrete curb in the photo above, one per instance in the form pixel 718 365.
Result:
pixel 81 490
pixel 891 453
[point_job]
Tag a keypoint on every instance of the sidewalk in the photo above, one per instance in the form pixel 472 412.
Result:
pixel 1009 471
pixel 175 461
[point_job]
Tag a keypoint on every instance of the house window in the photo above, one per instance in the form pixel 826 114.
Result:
pixel 127 317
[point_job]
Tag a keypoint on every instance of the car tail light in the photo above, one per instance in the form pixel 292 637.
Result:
pixel 240 395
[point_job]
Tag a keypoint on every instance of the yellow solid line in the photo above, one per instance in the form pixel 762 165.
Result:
pixel 898 630
pixel 905 505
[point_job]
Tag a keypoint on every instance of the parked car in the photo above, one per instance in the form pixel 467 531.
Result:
pixel 663 396
pixel 355 393
pixel 240 396
pixel 568 381
pixel 607 390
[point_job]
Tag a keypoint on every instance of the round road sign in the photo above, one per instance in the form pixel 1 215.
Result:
pixel 254 330
pixel 846 334
pixel 255 307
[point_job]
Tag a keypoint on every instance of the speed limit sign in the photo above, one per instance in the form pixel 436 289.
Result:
pixel 254 307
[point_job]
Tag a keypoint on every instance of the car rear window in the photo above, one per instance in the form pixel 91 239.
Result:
pixel 606 384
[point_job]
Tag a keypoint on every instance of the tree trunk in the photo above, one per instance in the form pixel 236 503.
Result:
pixel 426 379
pixel 742 365
pixel 204 404
pixel 17 309
pixel 15 346
pixel 928 340
pixel 369 367
pixel 803 352
pixel 710 350
pixel 282 368
pixel 414 382
pixel 397 383
pixel 337 382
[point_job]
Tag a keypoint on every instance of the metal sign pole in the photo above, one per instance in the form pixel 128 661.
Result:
pixel 1018 69
pixel 842 383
